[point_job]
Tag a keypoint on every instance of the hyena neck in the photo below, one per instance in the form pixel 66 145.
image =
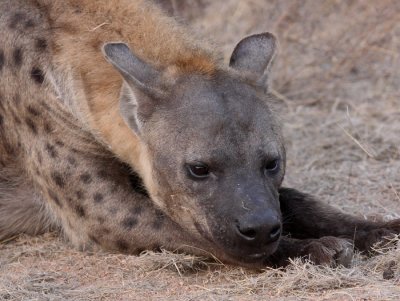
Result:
pixel 81 27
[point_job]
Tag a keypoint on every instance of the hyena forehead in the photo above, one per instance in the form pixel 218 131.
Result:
pixel 222 105
pixel 204 114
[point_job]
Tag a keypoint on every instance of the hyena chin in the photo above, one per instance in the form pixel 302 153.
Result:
pixel 120 129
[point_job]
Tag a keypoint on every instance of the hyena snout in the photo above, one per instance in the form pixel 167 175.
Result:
pixel 258 228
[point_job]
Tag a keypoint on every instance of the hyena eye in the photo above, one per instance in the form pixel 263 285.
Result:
pixel 198 171
pixel 271 167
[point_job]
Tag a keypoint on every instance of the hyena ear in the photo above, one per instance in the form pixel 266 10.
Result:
pixel 143 84
pixel 253 56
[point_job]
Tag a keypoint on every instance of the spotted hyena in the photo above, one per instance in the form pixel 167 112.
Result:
pixel 121 131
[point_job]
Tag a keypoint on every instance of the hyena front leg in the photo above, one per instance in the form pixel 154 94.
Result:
pixel 304 217
pixel 99 203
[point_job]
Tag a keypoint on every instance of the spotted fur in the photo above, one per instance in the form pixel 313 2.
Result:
pixel 69 161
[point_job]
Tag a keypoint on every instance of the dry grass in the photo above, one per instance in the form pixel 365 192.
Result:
pixel 45 268
pixel 338 77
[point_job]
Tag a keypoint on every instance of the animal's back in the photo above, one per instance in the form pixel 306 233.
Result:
pixel 24 57
pixel 36 85
pixel 51 166
pixel 33 119
pixel 24 60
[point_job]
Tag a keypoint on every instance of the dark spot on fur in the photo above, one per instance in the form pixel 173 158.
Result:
pixel 80 211
pixel 41 44
pixel 137 210
pixel 51 150
pixel 39 157
pixel 29 24
pixel 58 179
pixel 33 111
pixel 159 219
pixel 15 19
pixel 10 150
pixel 16 118
pixel 80 195
pixel 60 143
pixel 37 172
pixel 47 128
pixel 31 125
pixel 101 220
pixel 37 75
pixel 71 160
pixel 69 200
pixel 2 60
pixel 129 222
pixel 137 184
pixel 74 150
pixel 45 106
pixel 96 44
pixel 54 197
pixel 86 178
pixel 94 239
pixel 98 197
pixel 77 9
pixel 103 174
pixel 1 120
pixel 17 99
pixel 122 245
pixel 17 57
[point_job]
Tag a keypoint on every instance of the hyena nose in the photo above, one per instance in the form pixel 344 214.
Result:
pixel 261 229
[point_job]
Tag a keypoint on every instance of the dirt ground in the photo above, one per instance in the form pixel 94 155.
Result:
pixel 337 78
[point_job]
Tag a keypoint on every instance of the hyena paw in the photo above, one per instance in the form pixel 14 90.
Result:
pixel 328 250
pixel 383 236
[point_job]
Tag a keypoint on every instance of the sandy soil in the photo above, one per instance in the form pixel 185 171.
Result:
pixel 338 80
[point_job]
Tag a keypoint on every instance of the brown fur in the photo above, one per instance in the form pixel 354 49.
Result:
pixel 59 121
pixel 66 154
pixel 82 27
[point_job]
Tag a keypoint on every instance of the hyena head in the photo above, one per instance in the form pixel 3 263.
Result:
pixel 213 145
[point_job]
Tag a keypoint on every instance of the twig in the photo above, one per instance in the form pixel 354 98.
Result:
pixel 357 142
